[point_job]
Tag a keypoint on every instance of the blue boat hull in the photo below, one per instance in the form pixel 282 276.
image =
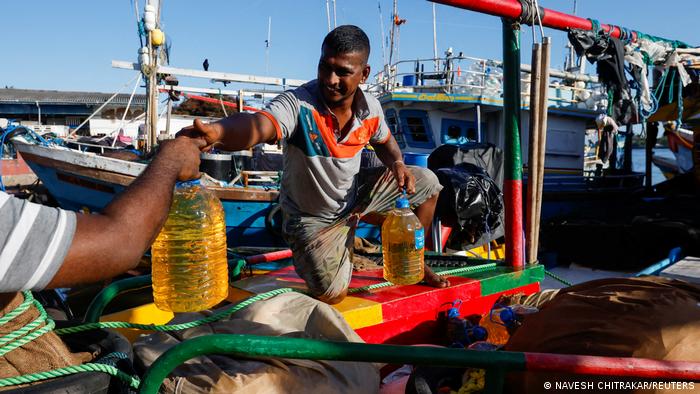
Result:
pixel 245 220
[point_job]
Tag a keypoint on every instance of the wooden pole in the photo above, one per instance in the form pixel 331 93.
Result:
pixel 152 97
pixel 533 154
pixel 166 132
pixel 542 149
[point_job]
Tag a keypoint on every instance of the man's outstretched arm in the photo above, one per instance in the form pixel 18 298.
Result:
pixel 112 242
pixel 237 132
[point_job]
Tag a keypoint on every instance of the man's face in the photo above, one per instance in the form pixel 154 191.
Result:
pixel 339 75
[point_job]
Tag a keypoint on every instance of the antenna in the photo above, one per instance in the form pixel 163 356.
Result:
pixel 381 29
pixel 435 55
pixel 328 15
pixel 268 42
pixel 335 21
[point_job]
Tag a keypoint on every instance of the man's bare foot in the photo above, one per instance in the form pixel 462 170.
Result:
pixel 434 280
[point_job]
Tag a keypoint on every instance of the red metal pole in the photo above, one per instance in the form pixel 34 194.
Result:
pixel 612 366
pixel 512 9
pixel 270 256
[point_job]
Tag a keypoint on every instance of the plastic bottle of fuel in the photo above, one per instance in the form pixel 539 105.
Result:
pixel 190 271
pixel 403 241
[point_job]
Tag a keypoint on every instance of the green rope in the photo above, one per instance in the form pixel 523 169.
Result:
pixel 174 327
pixel 132 381
pixel 671 86
pixel 560 279
pixel 26 334
pixel 462 270
pixel 19 310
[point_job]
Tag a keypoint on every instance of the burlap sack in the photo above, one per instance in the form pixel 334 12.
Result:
pixel 648 317
pixel 44 353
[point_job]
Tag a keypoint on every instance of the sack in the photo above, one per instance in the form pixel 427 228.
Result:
pixel 649 317
pixel 286 315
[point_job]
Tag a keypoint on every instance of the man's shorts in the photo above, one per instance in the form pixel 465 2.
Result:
pixel 322 248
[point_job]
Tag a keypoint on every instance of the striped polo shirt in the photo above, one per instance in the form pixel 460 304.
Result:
pixel 34 240
pixel 320 171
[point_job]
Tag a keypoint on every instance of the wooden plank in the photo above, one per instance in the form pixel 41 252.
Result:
pixel 245 194
pixel 96 174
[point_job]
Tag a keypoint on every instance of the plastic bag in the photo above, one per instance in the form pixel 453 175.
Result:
pixel 473 199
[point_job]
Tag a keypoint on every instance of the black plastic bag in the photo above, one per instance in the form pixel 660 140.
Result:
pixel 473 200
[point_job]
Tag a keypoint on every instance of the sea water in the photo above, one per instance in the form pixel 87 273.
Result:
pixel 403 241
pixel 189 265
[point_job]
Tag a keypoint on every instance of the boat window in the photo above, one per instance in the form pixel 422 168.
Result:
pixel 457 131
pixel 393 123
pixel 416 128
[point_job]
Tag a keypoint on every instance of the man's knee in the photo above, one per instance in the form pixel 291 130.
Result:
pixel 426 177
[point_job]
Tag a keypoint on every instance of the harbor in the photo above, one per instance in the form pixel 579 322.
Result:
pixel 400 219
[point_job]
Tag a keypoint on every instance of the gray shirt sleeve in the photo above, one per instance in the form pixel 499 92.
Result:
pixel 34 240
pixel 284 110
pixel 382 134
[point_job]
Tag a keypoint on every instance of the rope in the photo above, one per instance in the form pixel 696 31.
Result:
pixel 560 279
pixel 595 26
pixel 174 327
pixel 221 101
pixel 680 102
pixel 132 381
pixel 462 270
pixel 26 334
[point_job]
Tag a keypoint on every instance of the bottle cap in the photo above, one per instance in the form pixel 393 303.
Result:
pixel 190 183
pixel 402 201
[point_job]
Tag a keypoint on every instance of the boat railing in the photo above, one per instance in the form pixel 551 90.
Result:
pixel 86 146
pixel 588 180
pixel 483 78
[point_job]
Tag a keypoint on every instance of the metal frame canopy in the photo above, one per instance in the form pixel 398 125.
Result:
pixel 513 13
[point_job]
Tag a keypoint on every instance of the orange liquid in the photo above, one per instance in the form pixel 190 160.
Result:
pixel 190 270
pixel 403 261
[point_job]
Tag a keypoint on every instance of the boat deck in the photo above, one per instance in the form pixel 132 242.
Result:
pixel 405 314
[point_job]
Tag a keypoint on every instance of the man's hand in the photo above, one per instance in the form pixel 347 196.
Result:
pixel 404 177
pixel 209 133
pixel 184 153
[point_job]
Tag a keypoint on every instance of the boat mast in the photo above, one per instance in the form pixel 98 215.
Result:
pixel 392 34
pixel 152 77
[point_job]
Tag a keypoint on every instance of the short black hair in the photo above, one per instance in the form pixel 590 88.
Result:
pixel 347 38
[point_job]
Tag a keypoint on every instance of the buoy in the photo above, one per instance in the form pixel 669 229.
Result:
pixel 157 37
pixel 149 17
pixel 143 56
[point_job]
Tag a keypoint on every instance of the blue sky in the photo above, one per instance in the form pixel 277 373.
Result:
pixel 69 45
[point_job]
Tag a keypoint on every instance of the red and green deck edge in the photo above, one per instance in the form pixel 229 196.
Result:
pixel 407 314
